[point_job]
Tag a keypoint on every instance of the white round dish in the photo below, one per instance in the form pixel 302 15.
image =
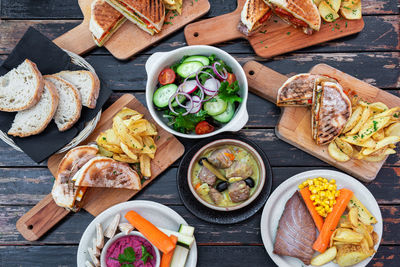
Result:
pixel 221 142
pixel 276 203
pixel 136 233
pixel 161 60
pixel 159 215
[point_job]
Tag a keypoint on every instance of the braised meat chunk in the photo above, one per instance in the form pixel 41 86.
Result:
pixel 221 158
pixel 239 169
pixel 206 176
pixel 239 191
pixel 215 195
pixel 296 231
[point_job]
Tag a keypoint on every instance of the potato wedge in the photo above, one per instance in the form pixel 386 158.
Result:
pixel 149 147
pixel 356 140
pixel 372 126
pixel 124 135
pixel 348 255
pixel 386 141
pixel 130 153
pixel 344 221
pixel 145 165
pixel 374 158
pixel 112 137
pixel 364 118
pixel 101 140
pixel 326 12
pixel 124 158
pixel 393 130
pixel 379 135
pixel 334 4
pixel 137 126
pixel 325 257
pixel 378 106
pixel 386 113
pixel 364 215
pixel 336 153
pixel 360 228
pixel 344 147
pixel 127 113
pixel 316 2
pixel 347 235
pixel 354 118
pixel 104 152
pixel 351 12
pixel 353 216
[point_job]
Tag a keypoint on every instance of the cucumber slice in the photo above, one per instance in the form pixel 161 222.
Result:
pixel 217 107
pixel 186 230
pixel 204 60
pixel 190 68
pixel 227 115
pixel 163 94
pixel 183 240
pixel 181 99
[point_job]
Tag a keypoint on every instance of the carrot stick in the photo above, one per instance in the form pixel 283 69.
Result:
pixel 318 220
pixel 155 236
pixel 167 257
pixel 332 220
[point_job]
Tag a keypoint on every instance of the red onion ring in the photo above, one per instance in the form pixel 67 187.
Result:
pixel 219 75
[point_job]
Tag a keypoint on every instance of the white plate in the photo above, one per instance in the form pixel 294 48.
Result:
pixel 158 214
pixel 276 203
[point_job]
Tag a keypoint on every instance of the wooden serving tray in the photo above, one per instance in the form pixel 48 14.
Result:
pixel 275 38
pixel 129 39
pixel 294 125
pixel 46 213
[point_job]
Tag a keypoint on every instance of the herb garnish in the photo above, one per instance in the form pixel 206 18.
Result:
pixel 228 92
pixel 128 258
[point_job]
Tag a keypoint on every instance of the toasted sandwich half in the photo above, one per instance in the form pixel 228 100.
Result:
pixel 330 112
pixel 254 14
pixel 147 14
pixel 104 21
pixel 299 13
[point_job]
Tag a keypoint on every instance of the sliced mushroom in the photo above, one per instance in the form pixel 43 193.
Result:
pixel 99 236
pixel 126 228
pixel 112 227
pixel 95 260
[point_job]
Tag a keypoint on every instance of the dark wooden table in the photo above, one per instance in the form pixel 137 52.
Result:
pixel 372 55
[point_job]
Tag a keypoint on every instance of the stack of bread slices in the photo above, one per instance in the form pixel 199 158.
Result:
pixel 38 99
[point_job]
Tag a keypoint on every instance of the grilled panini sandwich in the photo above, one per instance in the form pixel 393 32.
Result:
pixel 299 13
pixel 147 14
pixel 254 14
pixel 297 90
pixel 104 21
pixel 331 109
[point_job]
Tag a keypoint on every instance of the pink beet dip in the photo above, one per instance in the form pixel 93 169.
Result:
pixel 118 246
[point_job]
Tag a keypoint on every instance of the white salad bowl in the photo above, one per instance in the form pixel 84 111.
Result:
pixel 112 240
pixel 161 60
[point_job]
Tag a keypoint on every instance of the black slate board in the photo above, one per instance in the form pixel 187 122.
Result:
pixel 49 59
pixel 214 216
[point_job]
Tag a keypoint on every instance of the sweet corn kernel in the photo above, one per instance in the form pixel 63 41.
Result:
pixel 312 197
pixel 333 181
pixel 301 186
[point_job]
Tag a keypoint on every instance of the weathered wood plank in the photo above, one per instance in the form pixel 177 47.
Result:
pixel 381 33
pixel 62 9
pixel 70 230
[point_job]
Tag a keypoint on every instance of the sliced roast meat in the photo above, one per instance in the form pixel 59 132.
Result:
pixel 296 231
pixel 239 169
pixel 215 195
pixel 206 176
pixel 220 158
pixel 239 191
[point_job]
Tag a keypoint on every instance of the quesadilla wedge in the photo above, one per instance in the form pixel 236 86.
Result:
pixel 104 21
pixel 299 13
pixel 331 109
pixel 297 90
pixel 254 14
pixel 146 14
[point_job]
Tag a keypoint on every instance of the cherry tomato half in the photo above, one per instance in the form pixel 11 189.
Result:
pixel 204 127
pixel 231 78
pixel 166 76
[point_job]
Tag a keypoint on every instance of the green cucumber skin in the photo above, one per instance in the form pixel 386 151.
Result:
pixel 204 60
pixel 211 107
pixel 161 98
pixel 227 115
pixel 186 68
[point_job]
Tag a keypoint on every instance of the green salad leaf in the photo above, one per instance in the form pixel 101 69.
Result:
pixel 185 124
pixel 229 92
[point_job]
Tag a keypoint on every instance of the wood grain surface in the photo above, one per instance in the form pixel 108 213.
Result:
pixel 371 56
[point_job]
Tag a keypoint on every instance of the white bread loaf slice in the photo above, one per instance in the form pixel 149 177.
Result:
pixel 21 88
pixel 69 106
pixel 35 119
pixel 86 82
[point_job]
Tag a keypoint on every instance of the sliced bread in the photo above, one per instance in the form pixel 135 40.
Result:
pixel 21 88
pixel 35 119
pixel 86 82
pixel 69 106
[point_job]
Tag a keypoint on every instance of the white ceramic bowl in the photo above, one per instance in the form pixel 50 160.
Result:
pixel 112 240
pixel 221 142
pixel 161 60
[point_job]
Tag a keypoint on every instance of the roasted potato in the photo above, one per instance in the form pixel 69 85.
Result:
pixel 334 4
pixel 127 113
pixel 364 118
pixel 336 153
pixel 364 215
pixel 347 236
pixel 372 126
pixel 325 257
pixel 378 107
pixel 353 217
pixel 351 11
pixel 327 13
pixel 348 255
pixel 130 153
pixel 145 165
pixel 124 158
pixel 393 130
pixel 104 152
pixel 354 118
pixel 360 228
pixel 356 140
pixel 124 135
pixel 344 147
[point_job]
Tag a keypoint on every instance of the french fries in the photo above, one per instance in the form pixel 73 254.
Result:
pixel 130 140
pixel 370 134
pixel 329 9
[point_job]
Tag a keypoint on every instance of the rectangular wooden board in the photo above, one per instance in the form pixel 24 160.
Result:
pixel 129 39
pixel 46 213
pixel 275 38
pixel 294 125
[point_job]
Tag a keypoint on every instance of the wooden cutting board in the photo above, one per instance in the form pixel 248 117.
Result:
pixel 129 39
pixel 275 38
pixel 294 125
pixel 46 213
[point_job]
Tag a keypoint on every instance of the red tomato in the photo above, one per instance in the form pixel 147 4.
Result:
pixel 231 78
pixel 266 17
pixel 204 127
pixel 282 11
pixel 298 22
pixel 167 76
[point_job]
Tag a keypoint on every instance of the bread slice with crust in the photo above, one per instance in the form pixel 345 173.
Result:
pixel 35 119
pixel 21 88
pixel 86 82
pixel 70 105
